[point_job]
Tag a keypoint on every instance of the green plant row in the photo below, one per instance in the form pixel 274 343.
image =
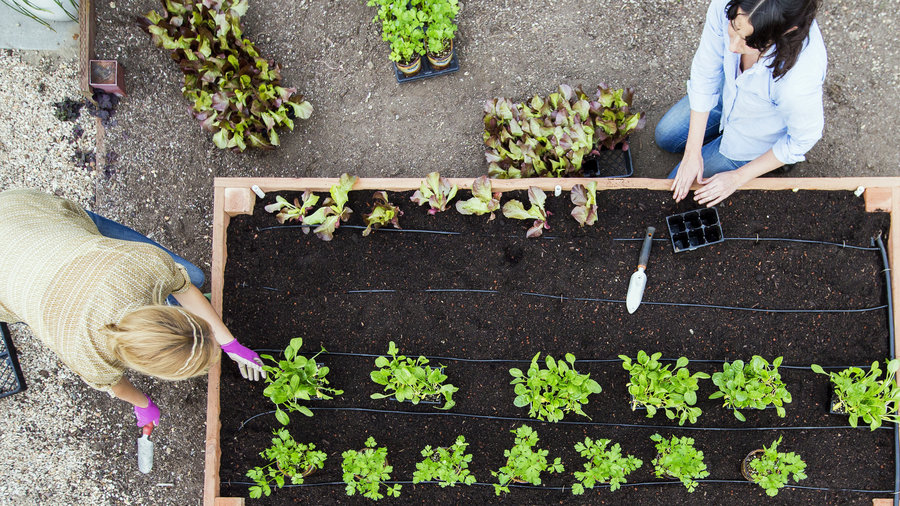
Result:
pixel 417 26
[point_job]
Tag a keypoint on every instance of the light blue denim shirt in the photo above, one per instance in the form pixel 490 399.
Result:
pixel 758 112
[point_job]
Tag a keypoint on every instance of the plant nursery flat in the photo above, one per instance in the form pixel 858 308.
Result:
pixel 479 298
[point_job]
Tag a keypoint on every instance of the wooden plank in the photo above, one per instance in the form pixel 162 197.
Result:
pixel 882 502
pixel 878 199
pixel 893 246
pixel 87 23
pixel 239 201
pixel 229 501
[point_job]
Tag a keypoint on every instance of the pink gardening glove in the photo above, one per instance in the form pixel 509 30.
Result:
pixel 247 360
pixel 147 415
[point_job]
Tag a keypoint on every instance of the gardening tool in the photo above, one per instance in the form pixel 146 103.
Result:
pixel 639 279
pixel 145 449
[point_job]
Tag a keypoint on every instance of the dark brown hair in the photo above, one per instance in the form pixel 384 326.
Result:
pixel 782 23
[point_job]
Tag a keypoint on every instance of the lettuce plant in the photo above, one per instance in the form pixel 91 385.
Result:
pixel 447 466
pixel 524 462
pixel 604 465
pixel 514 209
pixel 285 211
pixel 677 457
pixel 333 210
pixel 412 380
pixel 655 387
pixel 772 469
pixel 440 29
pixel 863 395
pixel 482 201
pixel 288 459
pixel 383 212
pixel 366 470
pixel 436 192
pixel 552 392
pixel 755 384
pixel 296 378
pixel 402 25
pixel 234 92
pixel 585 200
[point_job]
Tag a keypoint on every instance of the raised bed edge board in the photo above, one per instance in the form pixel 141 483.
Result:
pixel 233 196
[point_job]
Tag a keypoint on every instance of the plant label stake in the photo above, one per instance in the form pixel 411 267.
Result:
pixel 639 279
pixel 145 449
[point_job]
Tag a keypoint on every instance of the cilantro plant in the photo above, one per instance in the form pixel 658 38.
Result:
pixel 333 210
pixel 655 387
pixel 524 462
pixel 755 384
pixel 552 392
pixel 285 211
pixel 771 469
pixel 863 395
pixel 365 471
pixel 514 209
pixel 440 28
pixel 234 92
pixel 411 380
pixel 402 25
pixel 447 466
pixel 288 459
pixel 677 457
pixel 482 201
pixel 585 200
pixel 436 192
pixel 604 465
pixel 383 212
pixel 296 378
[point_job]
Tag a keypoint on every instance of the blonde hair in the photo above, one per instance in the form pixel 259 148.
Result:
pixel 163 341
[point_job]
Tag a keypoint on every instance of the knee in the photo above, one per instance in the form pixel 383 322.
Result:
pixel 667 135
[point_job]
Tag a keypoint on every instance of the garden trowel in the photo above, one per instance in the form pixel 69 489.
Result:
pixel 145 449
pixel 639 278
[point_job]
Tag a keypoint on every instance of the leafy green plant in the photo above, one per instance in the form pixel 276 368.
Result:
pixel 296 378
pixel 288 459
pixel 514 209
pixel 755 384
pixel 383 212
pixel 447 466
pixel 436 192
pixel 285 211
pixel 440 28
pixel 552 392
pixel 604 465
pixel 333 210
pixel 863 395
pixel 771 469
pixel 656 387
pixel 482 201
pixel 677 457
pixel 524 462
pixel 402 25
pixel 366 470
pixel 411 380
pixel 585 200
pixel 234 92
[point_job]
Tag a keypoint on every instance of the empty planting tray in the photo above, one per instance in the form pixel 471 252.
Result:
pixel 11 380
pixel 694 229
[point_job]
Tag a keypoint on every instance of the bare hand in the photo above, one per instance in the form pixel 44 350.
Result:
pixel 690 169
pixel 717 188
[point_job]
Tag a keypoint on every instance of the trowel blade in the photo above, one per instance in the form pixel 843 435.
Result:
pixel 635 290
pixel 145 454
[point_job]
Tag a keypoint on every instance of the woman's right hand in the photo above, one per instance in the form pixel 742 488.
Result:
pixel 690 170
pixel 147 415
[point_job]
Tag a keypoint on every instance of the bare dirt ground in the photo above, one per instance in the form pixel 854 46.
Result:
pixel 162 165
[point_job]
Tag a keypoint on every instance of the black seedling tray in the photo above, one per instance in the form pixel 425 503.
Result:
pixel 693 229
pixel 608 164
pixel 426 71
pixel 11 379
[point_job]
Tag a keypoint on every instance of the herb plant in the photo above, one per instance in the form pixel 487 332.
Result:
pixel 677 457
pixel 285 211
pixel 585 200
pixel 863 395
pixel 234 92
pixel 296 378
pixel 655 387
pixel 771 469
pixel 524 462
pixel 482 201
pixel 365 471
pixel 514 209
pixel 383 212
pixel 411 380
pixel 755 384
pixel 288 459
pixel 552 392
pixel 333 210
pixel 402 25
pixel 604 465
pixel 447 466
pixel 436 192
pixel 441 30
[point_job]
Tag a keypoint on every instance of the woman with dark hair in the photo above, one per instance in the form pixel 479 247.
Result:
pixel 754 100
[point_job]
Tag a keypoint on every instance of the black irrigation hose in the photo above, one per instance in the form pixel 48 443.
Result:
pixel 892 343
pixel 769 239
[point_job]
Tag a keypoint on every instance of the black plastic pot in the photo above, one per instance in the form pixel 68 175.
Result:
pixel 609 163
pixel 694 229
pixel 11 379
pixel 427 70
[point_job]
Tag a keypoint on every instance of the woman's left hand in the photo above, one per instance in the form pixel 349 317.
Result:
pixel 718 187
pixel 247 360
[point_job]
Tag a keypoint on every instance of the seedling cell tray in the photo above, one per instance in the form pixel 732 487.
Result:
pixel 693 229
pixel 11 379
pixel 427 71
pixel 610 163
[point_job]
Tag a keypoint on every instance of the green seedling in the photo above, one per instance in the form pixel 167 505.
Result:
pixel 552 392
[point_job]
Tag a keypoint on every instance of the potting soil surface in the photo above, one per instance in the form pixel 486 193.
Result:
pixel 563 293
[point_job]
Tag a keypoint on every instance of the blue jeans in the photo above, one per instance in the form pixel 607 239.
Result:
pixel 672 133
pixel 114 230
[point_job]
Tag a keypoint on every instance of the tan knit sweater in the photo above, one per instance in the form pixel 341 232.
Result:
pixel 66 281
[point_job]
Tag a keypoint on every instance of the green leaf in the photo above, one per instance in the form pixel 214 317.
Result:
pixel 282 417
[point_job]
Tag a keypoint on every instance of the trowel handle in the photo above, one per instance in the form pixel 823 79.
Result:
pixel 147 429
pixel 645 249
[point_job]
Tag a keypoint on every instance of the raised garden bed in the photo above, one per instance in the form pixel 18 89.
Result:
pixel 355 294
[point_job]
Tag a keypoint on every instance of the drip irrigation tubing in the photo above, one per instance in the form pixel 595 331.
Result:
pixel 768 239
pixel 892 348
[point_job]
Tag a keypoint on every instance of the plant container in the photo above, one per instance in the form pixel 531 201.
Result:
pixel 694 229
pixel 440 62
pixel 11 379
pixel 409 69
pixel 108 76
pixel 746 470
pixel 428 70
pixel 608 163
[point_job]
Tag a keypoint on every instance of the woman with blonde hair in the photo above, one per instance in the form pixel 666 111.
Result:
pixel 95 293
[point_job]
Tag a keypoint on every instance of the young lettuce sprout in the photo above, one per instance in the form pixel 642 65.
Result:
pixel 585 200
pixel 482 201
pixel 435 191
pixel 514 209
pixel 333 210
pixel 285 211
pixel 383 212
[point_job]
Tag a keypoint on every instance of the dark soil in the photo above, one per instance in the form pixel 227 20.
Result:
pixel 281 284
